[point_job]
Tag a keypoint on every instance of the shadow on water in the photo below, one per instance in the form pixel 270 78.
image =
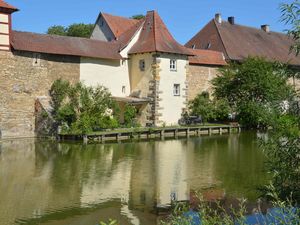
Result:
pixel 45 182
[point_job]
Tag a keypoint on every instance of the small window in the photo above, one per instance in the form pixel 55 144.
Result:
pixel 101 23
pixel 123 89
pixel 142 65
pixel 193 46
pixel 176 90
pixel 208 45
pixel 173 65
pixel 36 59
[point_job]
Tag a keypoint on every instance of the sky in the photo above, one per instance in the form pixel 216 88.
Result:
pixel 184 18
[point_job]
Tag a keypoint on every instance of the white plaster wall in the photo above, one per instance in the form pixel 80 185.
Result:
pixel 172 106
pixel 4 28
pixel 139 80
pixel 3 18
pixel 112 74
pixel 4 39
pixel 124 52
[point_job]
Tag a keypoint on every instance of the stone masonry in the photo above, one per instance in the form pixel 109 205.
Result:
pixel 25 76
pixel 199 79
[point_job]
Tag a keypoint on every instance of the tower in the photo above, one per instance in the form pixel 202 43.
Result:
pixel 5 25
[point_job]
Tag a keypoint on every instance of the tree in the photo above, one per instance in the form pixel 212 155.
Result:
pixel 80 109
pixel 291 16
pixel 74 30
pixel 138 17
pixel 57 30
pixel 254 89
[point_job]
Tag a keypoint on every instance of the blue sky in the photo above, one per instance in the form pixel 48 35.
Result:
pixel 184 18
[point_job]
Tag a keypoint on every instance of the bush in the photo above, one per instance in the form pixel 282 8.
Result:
pixel 80 109
pixel 130 115
pixel 209 110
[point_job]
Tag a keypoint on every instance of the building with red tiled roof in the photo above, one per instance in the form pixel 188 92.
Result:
pixel 237 42
pixel 139 61
pixel 109 27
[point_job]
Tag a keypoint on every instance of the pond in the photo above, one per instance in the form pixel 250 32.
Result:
pixel 50 183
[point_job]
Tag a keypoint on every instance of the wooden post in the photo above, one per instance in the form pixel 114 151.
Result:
pixel 162 134
pixel 85 139
pixel 209 131
pixel 176 133
pixel 187 132
pixel 103 139
pixel 229 130
pixel 220 130
pixel 199 132
pixel 239 129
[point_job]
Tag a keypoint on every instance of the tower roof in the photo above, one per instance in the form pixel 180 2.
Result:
pixel 5 7
pixel 155 37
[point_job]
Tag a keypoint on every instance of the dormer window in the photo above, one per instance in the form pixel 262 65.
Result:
pixel 173 65
pixel 142 65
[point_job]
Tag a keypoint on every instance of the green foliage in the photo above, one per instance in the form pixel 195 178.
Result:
pixel 209 110
pixel 254 90
pixel 80 109
pixel 138 17
pixel 218 214
pixel 282 148
pixel 130 115
pixel 74 30
pixel 291 16
pixel 57 30
pixel 110 222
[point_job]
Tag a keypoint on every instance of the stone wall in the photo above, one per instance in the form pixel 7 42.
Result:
pixel 24 76
pixel 199 79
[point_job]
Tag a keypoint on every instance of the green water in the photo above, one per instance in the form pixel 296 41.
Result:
pixel 49 183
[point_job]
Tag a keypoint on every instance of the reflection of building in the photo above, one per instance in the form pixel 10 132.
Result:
pixel 50 180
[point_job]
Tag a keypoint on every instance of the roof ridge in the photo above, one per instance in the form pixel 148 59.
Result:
pixel 154 29
pixel 60 36
pixel 220 36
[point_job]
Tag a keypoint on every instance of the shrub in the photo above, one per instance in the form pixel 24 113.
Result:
pixel 130 115
pixel 80 109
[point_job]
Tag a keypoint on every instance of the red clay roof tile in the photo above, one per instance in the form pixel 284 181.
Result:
pixel 61 45
pixel 207 57
pixel 155 37
pixel 238 42
pixel 118 24
pixel 7 7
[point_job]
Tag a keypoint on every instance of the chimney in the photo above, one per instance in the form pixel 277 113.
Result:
pixel 5 25
pixel 265 28
pixel 231 20
pixel 218 18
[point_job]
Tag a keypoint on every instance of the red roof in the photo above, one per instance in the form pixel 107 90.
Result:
pixel 127 36
pixel 207 57
pixel 238 42
pixel 6 7
pixel 118 24
pixel 61 45
pixel 155 37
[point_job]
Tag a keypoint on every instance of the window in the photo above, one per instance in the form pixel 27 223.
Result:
pixel 123 89
pixel 173 65
pixel 176 90
pixel 142 65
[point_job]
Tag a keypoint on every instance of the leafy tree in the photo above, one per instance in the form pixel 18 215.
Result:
pixel 74 30
pixel 57 30
pixel 80 109
pixel 254 90
pixel 291 16
pixel 80 30
pixel 138 17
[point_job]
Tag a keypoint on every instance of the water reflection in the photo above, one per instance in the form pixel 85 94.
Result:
pixel 44 182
